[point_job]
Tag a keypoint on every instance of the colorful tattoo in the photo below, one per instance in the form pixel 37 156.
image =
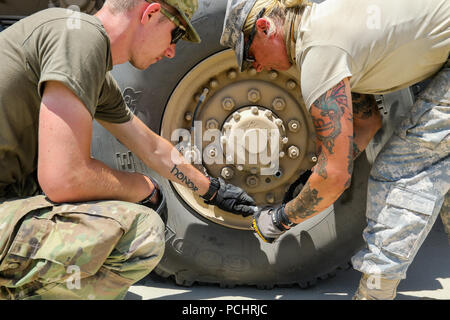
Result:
pixel 331 106
pixel 302 207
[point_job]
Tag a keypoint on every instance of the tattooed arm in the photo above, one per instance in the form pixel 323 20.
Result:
pixel 333 121
pixel 158 154
pixel 366 121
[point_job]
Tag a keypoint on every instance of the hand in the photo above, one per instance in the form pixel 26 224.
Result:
pixel 271 222
pixel 230 198
pixel 156 200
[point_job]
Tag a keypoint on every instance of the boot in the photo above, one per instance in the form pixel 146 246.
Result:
pixel 373 287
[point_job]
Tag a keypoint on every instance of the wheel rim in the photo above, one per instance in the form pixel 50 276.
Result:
pixel 239 111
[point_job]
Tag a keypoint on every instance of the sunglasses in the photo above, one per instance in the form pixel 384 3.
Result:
pixel 177 33
pixel 247 57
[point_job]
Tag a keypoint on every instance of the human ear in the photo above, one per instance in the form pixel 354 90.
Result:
pixel 262 25
pixel 151 9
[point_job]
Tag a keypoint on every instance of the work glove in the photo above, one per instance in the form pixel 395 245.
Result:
pixel 268 223
pixel 230 198
pixel 156 201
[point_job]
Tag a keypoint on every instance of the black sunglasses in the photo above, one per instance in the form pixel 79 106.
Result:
pixel 177 34
pixel 246 57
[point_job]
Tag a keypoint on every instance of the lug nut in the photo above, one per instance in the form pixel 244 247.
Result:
pixel 294 125
pixel 227 173
pixel 273 74
pixel 213 83
pixel 254 110
pixel 285 140
pixel 270 198
pixel 253 95
pixel 232 74
pixel 212 152
pixel 268 113
pixel 278 122
pixel 293 152
pixel 228 104
pixel 188 116
pixel 281 154
pixel 279 104
pixel 236 117
pixel 240 167
pixel 252 181
pixel 252 71
pixel 313 158
pixel 291 84
pixel 212 124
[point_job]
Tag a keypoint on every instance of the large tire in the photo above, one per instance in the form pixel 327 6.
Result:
pixel 200 250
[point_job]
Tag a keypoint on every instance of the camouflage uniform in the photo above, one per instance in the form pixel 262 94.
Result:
pixel 93 250
pixel 408 185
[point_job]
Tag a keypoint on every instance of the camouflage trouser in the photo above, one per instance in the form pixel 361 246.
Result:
pixel 93 250
pixel 408 183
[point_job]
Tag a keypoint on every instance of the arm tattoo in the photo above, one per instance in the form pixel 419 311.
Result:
pixel 303 206
pixel 364 105
pixel 321 167
pixel 350 161
pixel 331 106
pixel 183 178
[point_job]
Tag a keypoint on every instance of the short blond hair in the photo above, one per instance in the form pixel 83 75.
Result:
pixel 122 5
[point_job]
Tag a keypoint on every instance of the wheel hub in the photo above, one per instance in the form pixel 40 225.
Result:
pixel 251 138
pixel 251 129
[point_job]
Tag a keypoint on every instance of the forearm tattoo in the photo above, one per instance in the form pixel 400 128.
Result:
pixel 183 178
pixel 304 205
pixel 350 162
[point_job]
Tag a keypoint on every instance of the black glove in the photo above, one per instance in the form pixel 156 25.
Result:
pixel 156 201
pixel 268 223
pixel 230 198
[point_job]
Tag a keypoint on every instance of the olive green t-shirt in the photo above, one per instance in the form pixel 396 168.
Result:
pixel 54 44
pixel 382 45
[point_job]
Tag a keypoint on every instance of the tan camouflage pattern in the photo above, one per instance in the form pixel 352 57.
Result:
pixel 407 185
pixel 94 250
pixel 232 35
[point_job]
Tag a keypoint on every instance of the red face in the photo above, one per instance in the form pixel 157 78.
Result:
pixel 269 51
pixel 153 42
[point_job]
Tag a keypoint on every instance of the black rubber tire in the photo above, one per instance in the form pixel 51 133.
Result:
pixel 198 250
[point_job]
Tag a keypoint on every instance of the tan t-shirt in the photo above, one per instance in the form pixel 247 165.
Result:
pixel 382 45
pixel 54 44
